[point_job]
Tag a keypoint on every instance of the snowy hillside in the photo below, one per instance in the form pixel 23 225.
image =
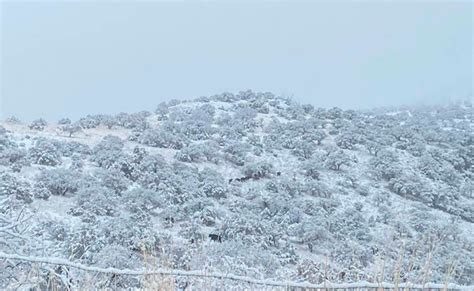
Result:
pixel 248 184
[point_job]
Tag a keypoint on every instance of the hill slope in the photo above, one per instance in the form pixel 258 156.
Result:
pixel 288 191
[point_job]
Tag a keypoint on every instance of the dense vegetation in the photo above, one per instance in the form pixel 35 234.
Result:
pixel 293 191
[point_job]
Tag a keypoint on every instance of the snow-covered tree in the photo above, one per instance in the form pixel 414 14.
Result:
pixel 236 152
pixel 11 186
pixel 14 157
pixel 258 170
pixel 141 200
pixel 336 159
pixel 64 121
pixel 71 129
pixel 45 152
pixel 162 139
pixel 348 139
pixel 113 179
pixel 212 184
pixel 88 122
pixel 95 200
pixel 109 121
pixel 108 151
pixel 207 151
pixel 59 181
pixel 162 111
pixel 38 124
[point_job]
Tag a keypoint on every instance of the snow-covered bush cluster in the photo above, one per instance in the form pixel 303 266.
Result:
pixel 288 190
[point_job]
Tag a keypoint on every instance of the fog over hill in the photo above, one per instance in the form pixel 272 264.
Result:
pixel 248 184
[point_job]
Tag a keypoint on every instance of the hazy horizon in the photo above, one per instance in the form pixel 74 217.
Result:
pixel 58 115
pixel 71 59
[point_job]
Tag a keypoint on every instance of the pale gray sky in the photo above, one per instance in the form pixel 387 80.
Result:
pixel 69 59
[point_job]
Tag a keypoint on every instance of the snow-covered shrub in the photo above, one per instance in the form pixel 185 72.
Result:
pixel 85 241
pixel 286 186
pixel 301 137
pixel 202 211
pixel 334 113
pixel 333 131
pixel 212 184
pixel 248 262
pixel 258 170
pixel 38 124
pixel 314 272
pixel 373 147
pixel 312 168
pixel 416 147
pixel 5 141
pixel 178 114
pixel 227 135
pixel 119 257
pixel 64 121
pixel 260 105
pixel 244 114
pixel 314 135
pixel 161 139
pixel 70 148
pixel 41 191
pixel 197 129
pixel 14 157
pixel 59 181
pixel 247 228
pixel 155 175
pixel 303 149
pixel 317 189
pixel 12 186
pixel 207 151
pixel 307 108
pixel 224 119
pixel 467 189
pixel 45 152
pixel 71 129
pixel 122 118
pixel 141 200
pixel 386 164
pixel 109 121
pixel 88 122
pixel 136 233
pixel 314 232
pixel 236 152
pixel 336 159
pixel 152 163
pixel 13 120
pixel 108 151
pixel 436 168
pixel 351 222
pixel 162 111
pixel 96 200
pixel 209 111
pixel 348 139
pixel 113 179
pixel 77 163
pixel 292 111
pixel 134 121
pixel 224 97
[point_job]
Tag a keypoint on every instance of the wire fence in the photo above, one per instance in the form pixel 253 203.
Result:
pixel 217 281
